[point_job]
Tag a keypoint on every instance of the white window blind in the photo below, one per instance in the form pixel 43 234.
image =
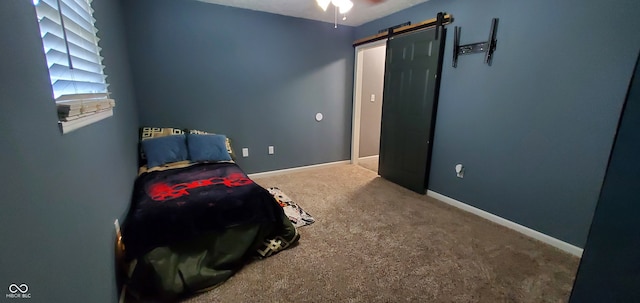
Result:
pixel 75 66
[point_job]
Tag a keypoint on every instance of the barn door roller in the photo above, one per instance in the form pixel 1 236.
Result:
pixel 487 47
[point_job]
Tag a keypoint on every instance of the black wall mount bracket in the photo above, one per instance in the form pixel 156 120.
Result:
pixel 487 47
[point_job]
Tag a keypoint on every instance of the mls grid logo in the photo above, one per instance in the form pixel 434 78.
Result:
pixel 18 291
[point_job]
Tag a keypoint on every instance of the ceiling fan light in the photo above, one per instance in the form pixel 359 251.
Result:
pixel 345 6
pixel 324 4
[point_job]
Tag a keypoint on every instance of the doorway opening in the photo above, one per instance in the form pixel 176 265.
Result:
pixel 367 103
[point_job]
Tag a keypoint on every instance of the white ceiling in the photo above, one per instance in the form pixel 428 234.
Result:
pixel 362 12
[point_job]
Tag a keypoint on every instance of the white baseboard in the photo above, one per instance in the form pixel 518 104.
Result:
pixel 564 246
pixel 369 157
pixel 296 169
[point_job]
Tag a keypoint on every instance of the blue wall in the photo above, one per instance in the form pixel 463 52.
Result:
pixel 61 193
pixel 259 78
pixel 534 130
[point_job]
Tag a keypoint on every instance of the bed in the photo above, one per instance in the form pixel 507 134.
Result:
pixel 195 219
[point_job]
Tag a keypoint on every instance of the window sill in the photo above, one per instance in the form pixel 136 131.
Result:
pixel 69 126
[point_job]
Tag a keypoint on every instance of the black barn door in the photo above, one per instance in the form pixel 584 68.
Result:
pixel 411 84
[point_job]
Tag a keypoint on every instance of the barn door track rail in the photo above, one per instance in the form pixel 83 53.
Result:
pixel 487 47
pixel 438 22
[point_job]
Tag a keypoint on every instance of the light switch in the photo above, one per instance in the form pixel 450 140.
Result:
pixel 373 97
pixel 271 150
pixel 245 152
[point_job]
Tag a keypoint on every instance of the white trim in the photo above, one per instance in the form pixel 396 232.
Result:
pixel 357 94
pixel 69 126
pixel 564 246
pixel 296 169
pixel 369 157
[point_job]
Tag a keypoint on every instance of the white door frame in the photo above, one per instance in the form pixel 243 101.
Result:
pixel 357 96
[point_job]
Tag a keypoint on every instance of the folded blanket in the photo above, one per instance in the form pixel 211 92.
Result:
pixel 293 211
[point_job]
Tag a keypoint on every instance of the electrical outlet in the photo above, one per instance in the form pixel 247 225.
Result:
pixel 460 171
pixel 245 152
pixel 271 150
pixel 373 97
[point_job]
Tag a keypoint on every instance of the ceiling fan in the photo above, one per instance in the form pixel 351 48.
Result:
pixel 342 6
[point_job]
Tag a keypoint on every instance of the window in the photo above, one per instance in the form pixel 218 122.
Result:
pixel 75 65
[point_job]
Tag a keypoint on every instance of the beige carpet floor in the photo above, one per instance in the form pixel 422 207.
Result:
pixel 374 241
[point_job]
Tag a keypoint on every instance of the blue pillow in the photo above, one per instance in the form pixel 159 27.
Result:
pixel 208 147
pixel 164 150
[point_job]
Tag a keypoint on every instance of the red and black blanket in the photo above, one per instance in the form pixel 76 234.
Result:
pixel 176 205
